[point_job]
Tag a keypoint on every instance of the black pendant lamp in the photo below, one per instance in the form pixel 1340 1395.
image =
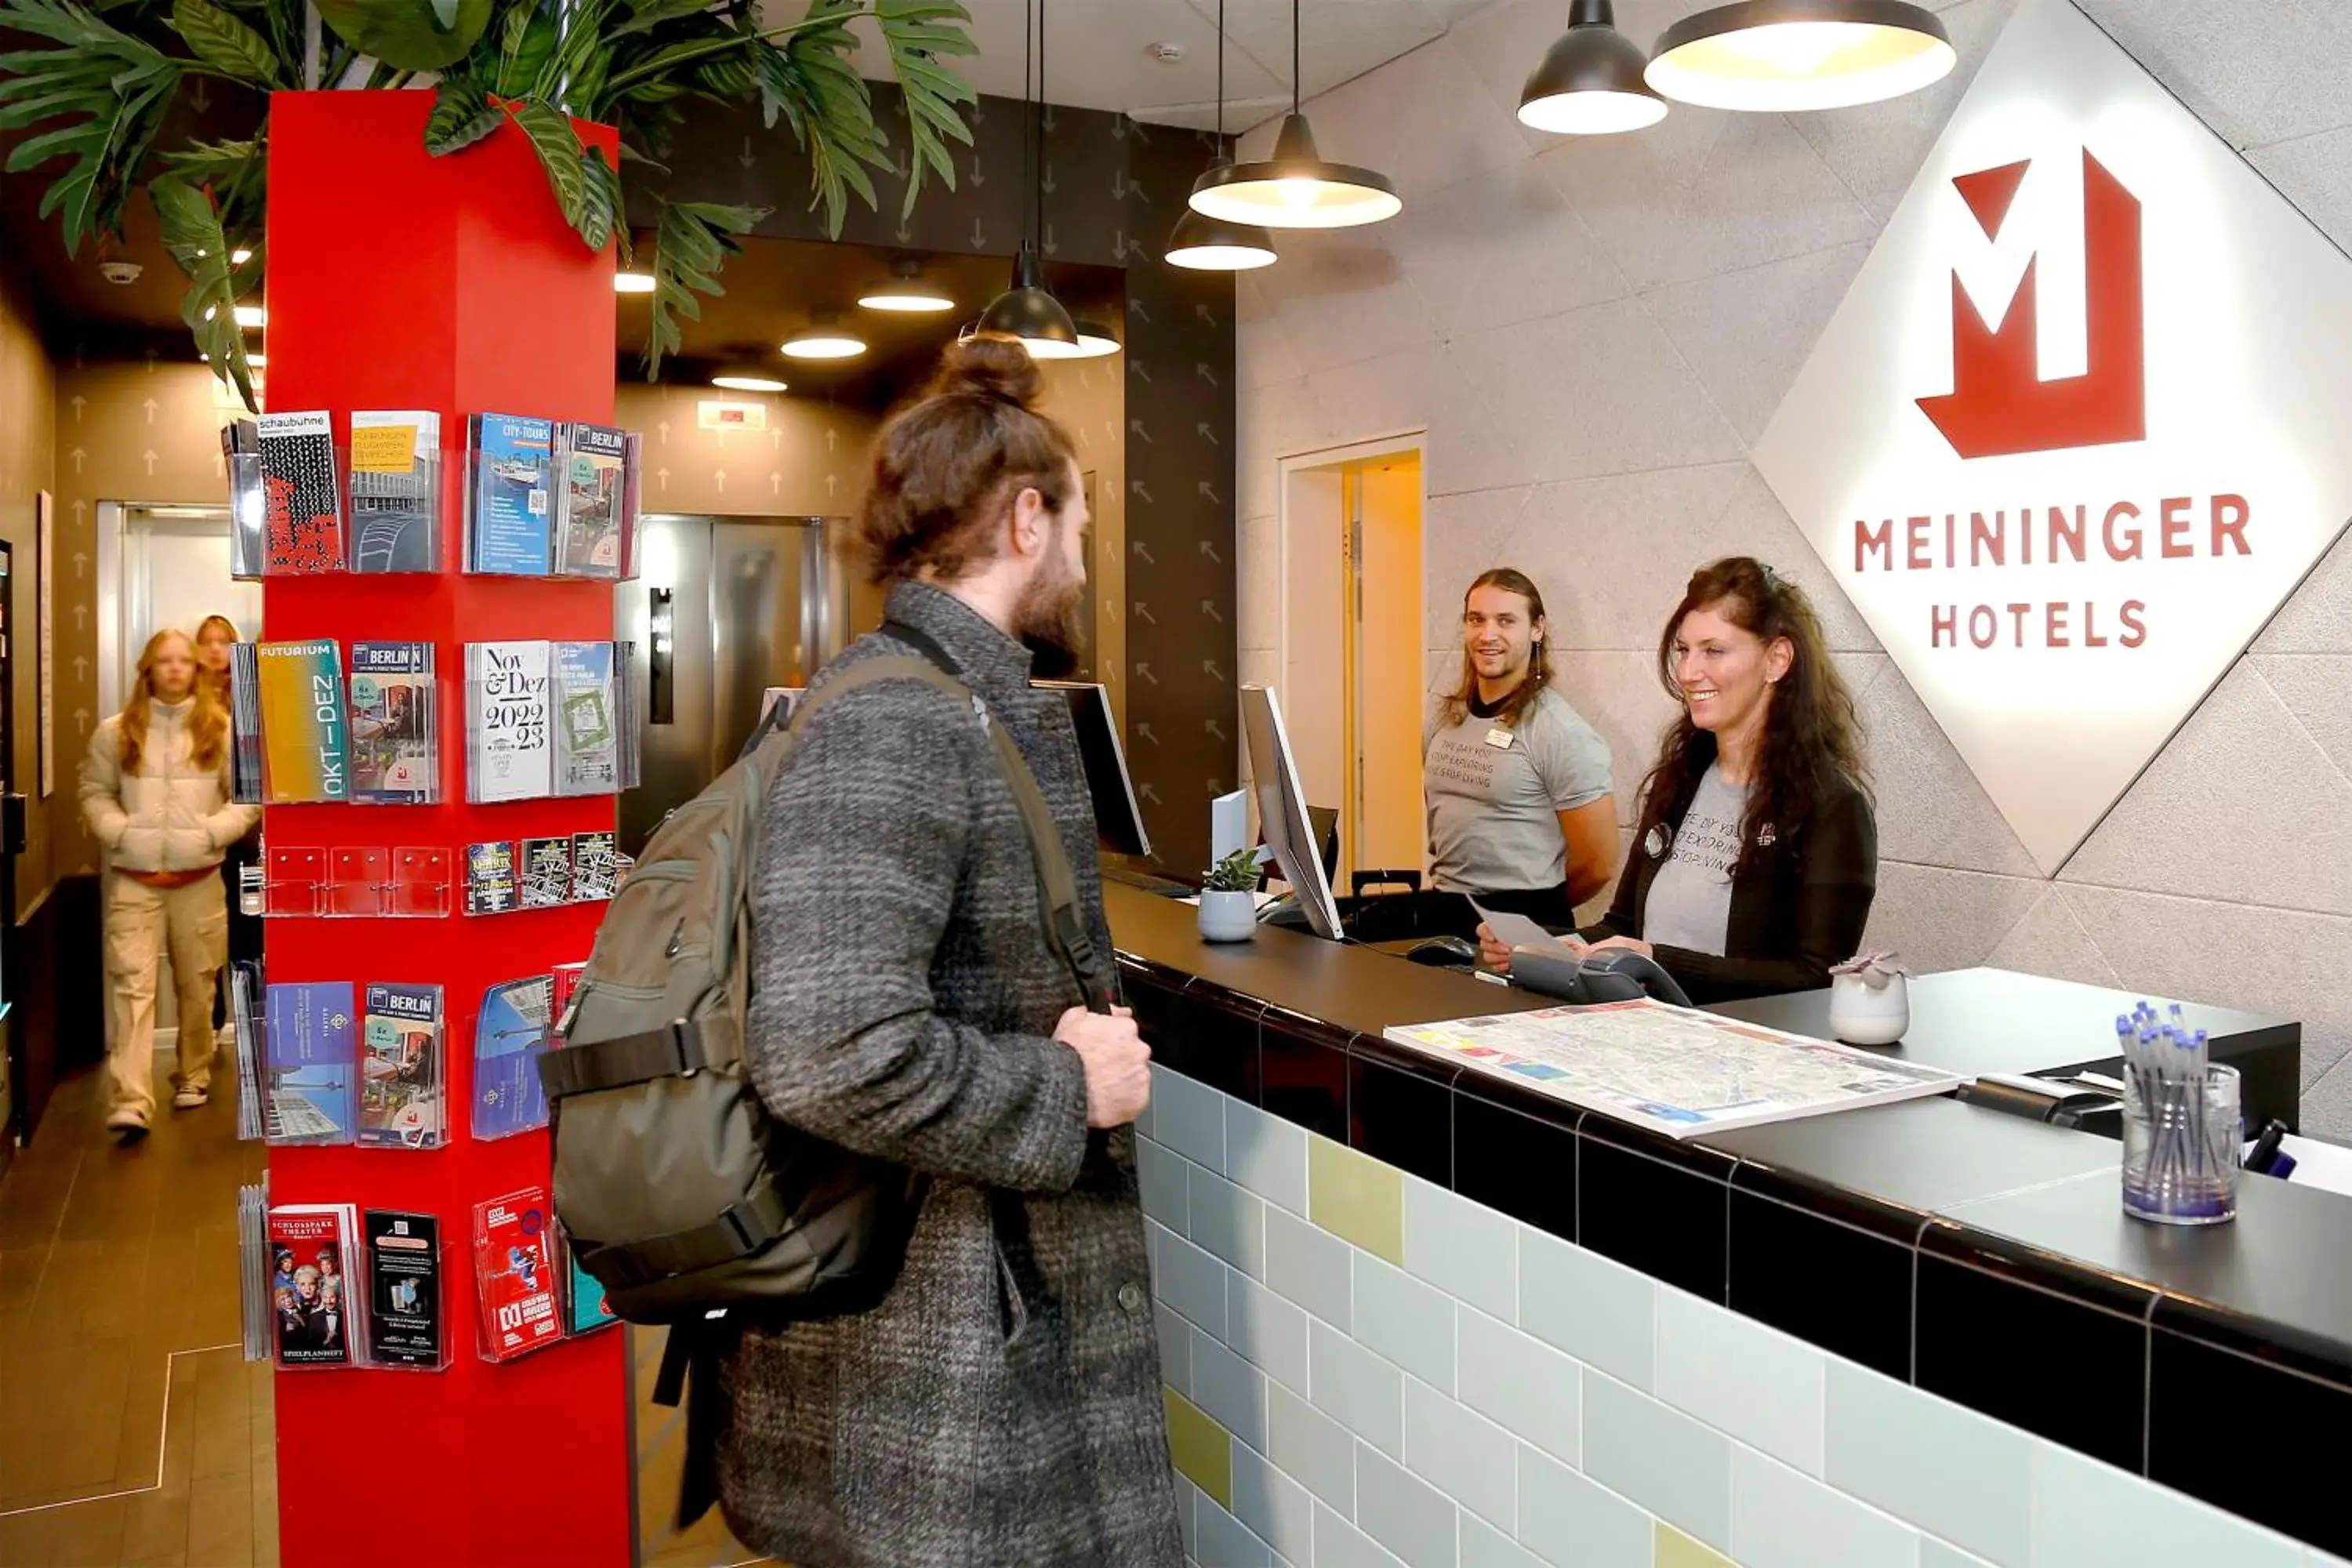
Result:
pixel 1207 244
pixel 1780 56
pixel 1028 313
pixel 1297 187
pixel 1589 83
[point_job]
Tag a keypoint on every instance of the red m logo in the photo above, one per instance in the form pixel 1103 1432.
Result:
pixel 1999 404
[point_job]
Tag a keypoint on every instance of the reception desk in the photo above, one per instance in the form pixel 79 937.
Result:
pixel 1439 1317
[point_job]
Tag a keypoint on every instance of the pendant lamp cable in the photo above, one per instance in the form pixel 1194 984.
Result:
pixel 1038 235
pixel 1221 80
pixel 1028 123
pixel 1294 57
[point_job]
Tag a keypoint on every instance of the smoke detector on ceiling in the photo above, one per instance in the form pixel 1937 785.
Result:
pixel 1166 54
pixel 120 272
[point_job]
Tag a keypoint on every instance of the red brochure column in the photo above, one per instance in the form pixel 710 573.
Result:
pixel 397 281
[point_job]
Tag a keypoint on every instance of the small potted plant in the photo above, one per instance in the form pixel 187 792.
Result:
pixel 1228 898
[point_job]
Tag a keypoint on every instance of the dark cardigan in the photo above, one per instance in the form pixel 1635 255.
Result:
pixel 1801 909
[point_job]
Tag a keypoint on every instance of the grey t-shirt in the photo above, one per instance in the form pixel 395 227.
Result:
pixel 1689 905
pixel 1496 794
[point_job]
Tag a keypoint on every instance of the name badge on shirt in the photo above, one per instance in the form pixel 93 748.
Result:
pixel 1499 738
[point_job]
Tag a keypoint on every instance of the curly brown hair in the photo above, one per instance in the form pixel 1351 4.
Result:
pixel 1812 737
pixel 948 463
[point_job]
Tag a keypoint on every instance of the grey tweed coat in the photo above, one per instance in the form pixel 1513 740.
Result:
pixel 1002 1406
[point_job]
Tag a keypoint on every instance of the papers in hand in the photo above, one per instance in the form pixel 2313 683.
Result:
pixel 1515 930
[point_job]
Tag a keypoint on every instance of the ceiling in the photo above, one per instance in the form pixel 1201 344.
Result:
pixel 772 287
pixel 1097 51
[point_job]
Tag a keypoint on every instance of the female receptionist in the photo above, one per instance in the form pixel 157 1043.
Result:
pixel 1755 853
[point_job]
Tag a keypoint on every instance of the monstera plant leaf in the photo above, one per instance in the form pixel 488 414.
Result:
pixel 409 35
pixel 192 233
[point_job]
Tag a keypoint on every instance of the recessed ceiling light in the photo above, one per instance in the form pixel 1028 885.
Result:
pixel 732 382
pixel 633 282
pixel 907 293
pixel 824 338
pixel 251 316
pixel 1779 56
pixel 256 361
pixel 239 256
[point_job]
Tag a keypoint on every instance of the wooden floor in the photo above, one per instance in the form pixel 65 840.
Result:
pixel 131 1430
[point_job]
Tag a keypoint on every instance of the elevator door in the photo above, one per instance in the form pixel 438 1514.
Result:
pixel 726 608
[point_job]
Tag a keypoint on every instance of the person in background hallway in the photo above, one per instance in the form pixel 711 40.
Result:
pixel 154 790
pixel 1521 817
pixel 1755 853
pixel 216 635
pixel 1002 1405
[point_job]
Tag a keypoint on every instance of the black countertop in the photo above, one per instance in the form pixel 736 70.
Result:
pixel 1980 1255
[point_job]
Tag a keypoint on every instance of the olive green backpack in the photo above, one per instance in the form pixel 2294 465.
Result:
pixel 674 1187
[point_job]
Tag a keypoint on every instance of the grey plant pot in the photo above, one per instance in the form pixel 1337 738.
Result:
pixel 1228 917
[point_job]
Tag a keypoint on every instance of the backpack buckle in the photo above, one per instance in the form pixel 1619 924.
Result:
pixel 685 1045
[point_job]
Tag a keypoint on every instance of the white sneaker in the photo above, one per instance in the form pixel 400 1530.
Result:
pixel 127 1120
pixel 189 1099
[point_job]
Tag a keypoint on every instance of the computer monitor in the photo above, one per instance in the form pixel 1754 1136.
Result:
pixel 1119 821
pixel 1282 813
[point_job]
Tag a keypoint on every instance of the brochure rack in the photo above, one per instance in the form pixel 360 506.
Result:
pixel 481 299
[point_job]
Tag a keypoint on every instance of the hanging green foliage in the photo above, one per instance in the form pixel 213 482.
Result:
pixel 96 83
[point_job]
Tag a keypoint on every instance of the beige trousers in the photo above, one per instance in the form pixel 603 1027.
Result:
pixel 141 924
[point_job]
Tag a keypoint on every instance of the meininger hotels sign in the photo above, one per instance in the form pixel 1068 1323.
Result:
pixel 2081 425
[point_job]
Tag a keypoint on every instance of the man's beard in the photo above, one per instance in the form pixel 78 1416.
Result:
pixel 1049 614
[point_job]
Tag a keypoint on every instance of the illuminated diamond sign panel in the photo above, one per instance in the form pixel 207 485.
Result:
pixel 2082 424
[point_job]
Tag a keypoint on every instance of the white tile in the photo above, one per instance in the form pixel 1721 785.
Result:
pixel 1175 1335
pixel 1340 1544
pixel 1598 1310
pixel 1405 1320
pixel 1783 1520
pixel 1229 1222
pixel 1267 1155
pixel 1188 1499
pixel 1164 1176
pixel 1526 1387
pixel 1404 1513
pixel 1189 1117
pixel 1311 1449
pixel 1278 1510
pixel 1223 1542
pixel 2311 687
pixel 1461 1453
pixel 1484 1546
pixel 2251 84
pixel 1592 546
pixel 1654 1456
pixel 1357 1388
pixel 1731 1372
pixel 1949 1471
pixel 1308 1265
pixel 2087 1511
pixel 1466 533
pixel 1572 1520
pixel 1190 1280
pixel 2050 940
pixel 1230 1389
pixel 1267 1330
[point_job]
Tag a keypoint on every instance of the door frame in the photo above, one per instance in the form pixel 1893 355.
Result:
pixel 1412 440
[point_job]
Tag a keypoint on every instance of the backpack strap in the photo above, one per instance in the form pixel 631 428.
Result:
pixel 1058 885
pixel 675 1049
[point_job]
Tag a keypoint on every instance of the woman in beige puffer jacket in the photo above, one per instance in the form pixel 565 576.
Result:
pixel 155 793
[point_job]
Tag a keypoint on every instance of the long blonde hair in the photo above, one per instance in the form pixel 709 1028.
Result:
pixel 207 719
pixel 217 678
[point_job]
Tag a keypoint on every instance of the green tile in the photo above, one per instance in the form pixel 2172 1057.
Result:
pixel 1739 1376
pixel 1189 1117
pixel 1783 1519
pixel 1676 1550
pixel 1187 1278
pixel 1204 1453
pixel 2094 1512
pixel 1358 1199
pixel 1570 1521
pixel 1175 1348
pixel 1952 1472
pixel 1658 1458
pixel 1598 1310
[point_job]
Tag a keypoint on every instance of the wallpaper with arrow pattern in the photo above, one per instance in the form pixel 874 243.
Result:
pixel 1114 188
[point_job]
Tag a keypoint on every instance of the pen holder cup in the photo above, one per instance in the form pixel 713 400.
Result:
pixel 2181 1144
